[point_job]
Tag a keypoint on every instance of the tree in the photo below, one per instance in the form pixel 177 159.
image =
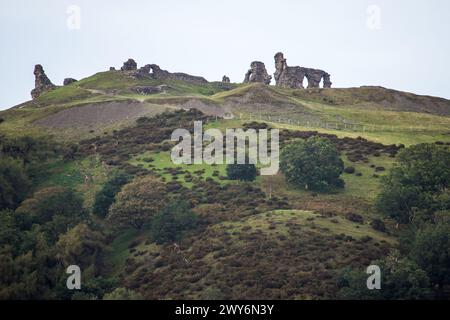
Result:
pixel 14 183
pixel 82 246
pixel 54 209
pixel 244 172
pixel 352 286
pixel 417 185
pixel 400 279
pixel 138 202
pixel 431 251
pixel 313 164
pixel 105 197
pixel 172 222
pixel 404 279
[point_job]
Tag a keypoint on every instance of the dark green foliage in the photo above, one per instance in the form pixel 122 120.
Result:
pixel 172 222
pixel 14 183
pixel 138 202
pixel 417 185
pixel 431 251
pixel 349 170
pixel 54 209
pixel 243 172
pixel 105 197
pixel 27 149
pixel 378 225
pixel 352 286
pixel 400 279
pixel 313 164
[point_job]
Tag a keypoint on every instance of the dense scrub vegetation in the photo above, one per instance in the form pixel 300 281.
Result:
pixel 415 193
pixel 137 234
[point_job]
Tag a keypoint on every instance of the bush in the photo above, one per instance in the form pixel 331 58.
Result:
pixel 378 225
pixel 243 172
pixel 312 164
pixel 172 222
pixel 354 217
pixel 349 170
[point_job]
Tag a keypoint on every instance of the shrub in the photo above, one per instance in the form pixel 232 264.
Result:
pixel 349 170
pixel 243 172
pixel 354 217
pixel 378 225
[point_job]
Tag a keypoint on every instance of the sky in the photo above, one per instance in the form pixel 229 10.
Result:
pixel 401 44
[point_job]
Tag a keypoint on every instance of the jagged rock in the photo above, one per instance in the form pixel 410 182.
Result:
pixel 145 90
pixel 41 83
pixel 142 72
pixel 112 69
pixel 225 79
pixel 158 73
pixel 68 81
pixel 257 73
pixel 327 80
pixel 129 65
pixel 292 77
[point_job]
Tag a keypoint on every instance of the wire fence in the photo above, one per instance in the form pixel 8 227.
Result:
pixel 342 125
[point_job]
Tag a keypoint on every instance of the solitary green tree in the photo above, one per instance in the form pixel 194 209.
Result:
pixel 313 164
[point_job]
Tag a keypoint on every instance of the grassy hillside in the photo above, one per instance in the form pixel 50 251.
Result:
pixel 260 239
pixel 377 113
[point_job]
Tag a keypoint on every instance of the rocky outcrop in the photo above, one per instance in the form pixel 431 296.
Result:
pixel 129 65
pixel 153 71
pixel 112 69
pixel 225 79
pixel 41 83
pixel 142 72
pixel 158 73
pixel 68 81
pixel 293 77
pixel 146 90
pixel 257 73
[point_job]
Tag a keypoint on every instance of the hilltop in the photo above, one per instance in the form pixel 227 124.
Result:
pixel 260 239
pixel 115 99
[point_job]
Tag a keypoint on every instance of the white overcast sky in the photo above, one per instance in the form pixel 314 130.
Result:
pixel 399 44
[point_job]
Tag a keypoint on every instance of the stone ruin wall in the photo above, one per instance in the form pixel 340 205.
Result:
pixel 293 77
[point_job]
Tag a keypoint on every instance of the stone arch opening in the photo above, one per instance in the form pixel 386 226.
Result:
pixel 305 82
pixel 321 82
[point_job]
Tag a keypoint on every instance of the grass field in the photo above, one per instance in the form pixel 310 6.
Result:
pixel 161 163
